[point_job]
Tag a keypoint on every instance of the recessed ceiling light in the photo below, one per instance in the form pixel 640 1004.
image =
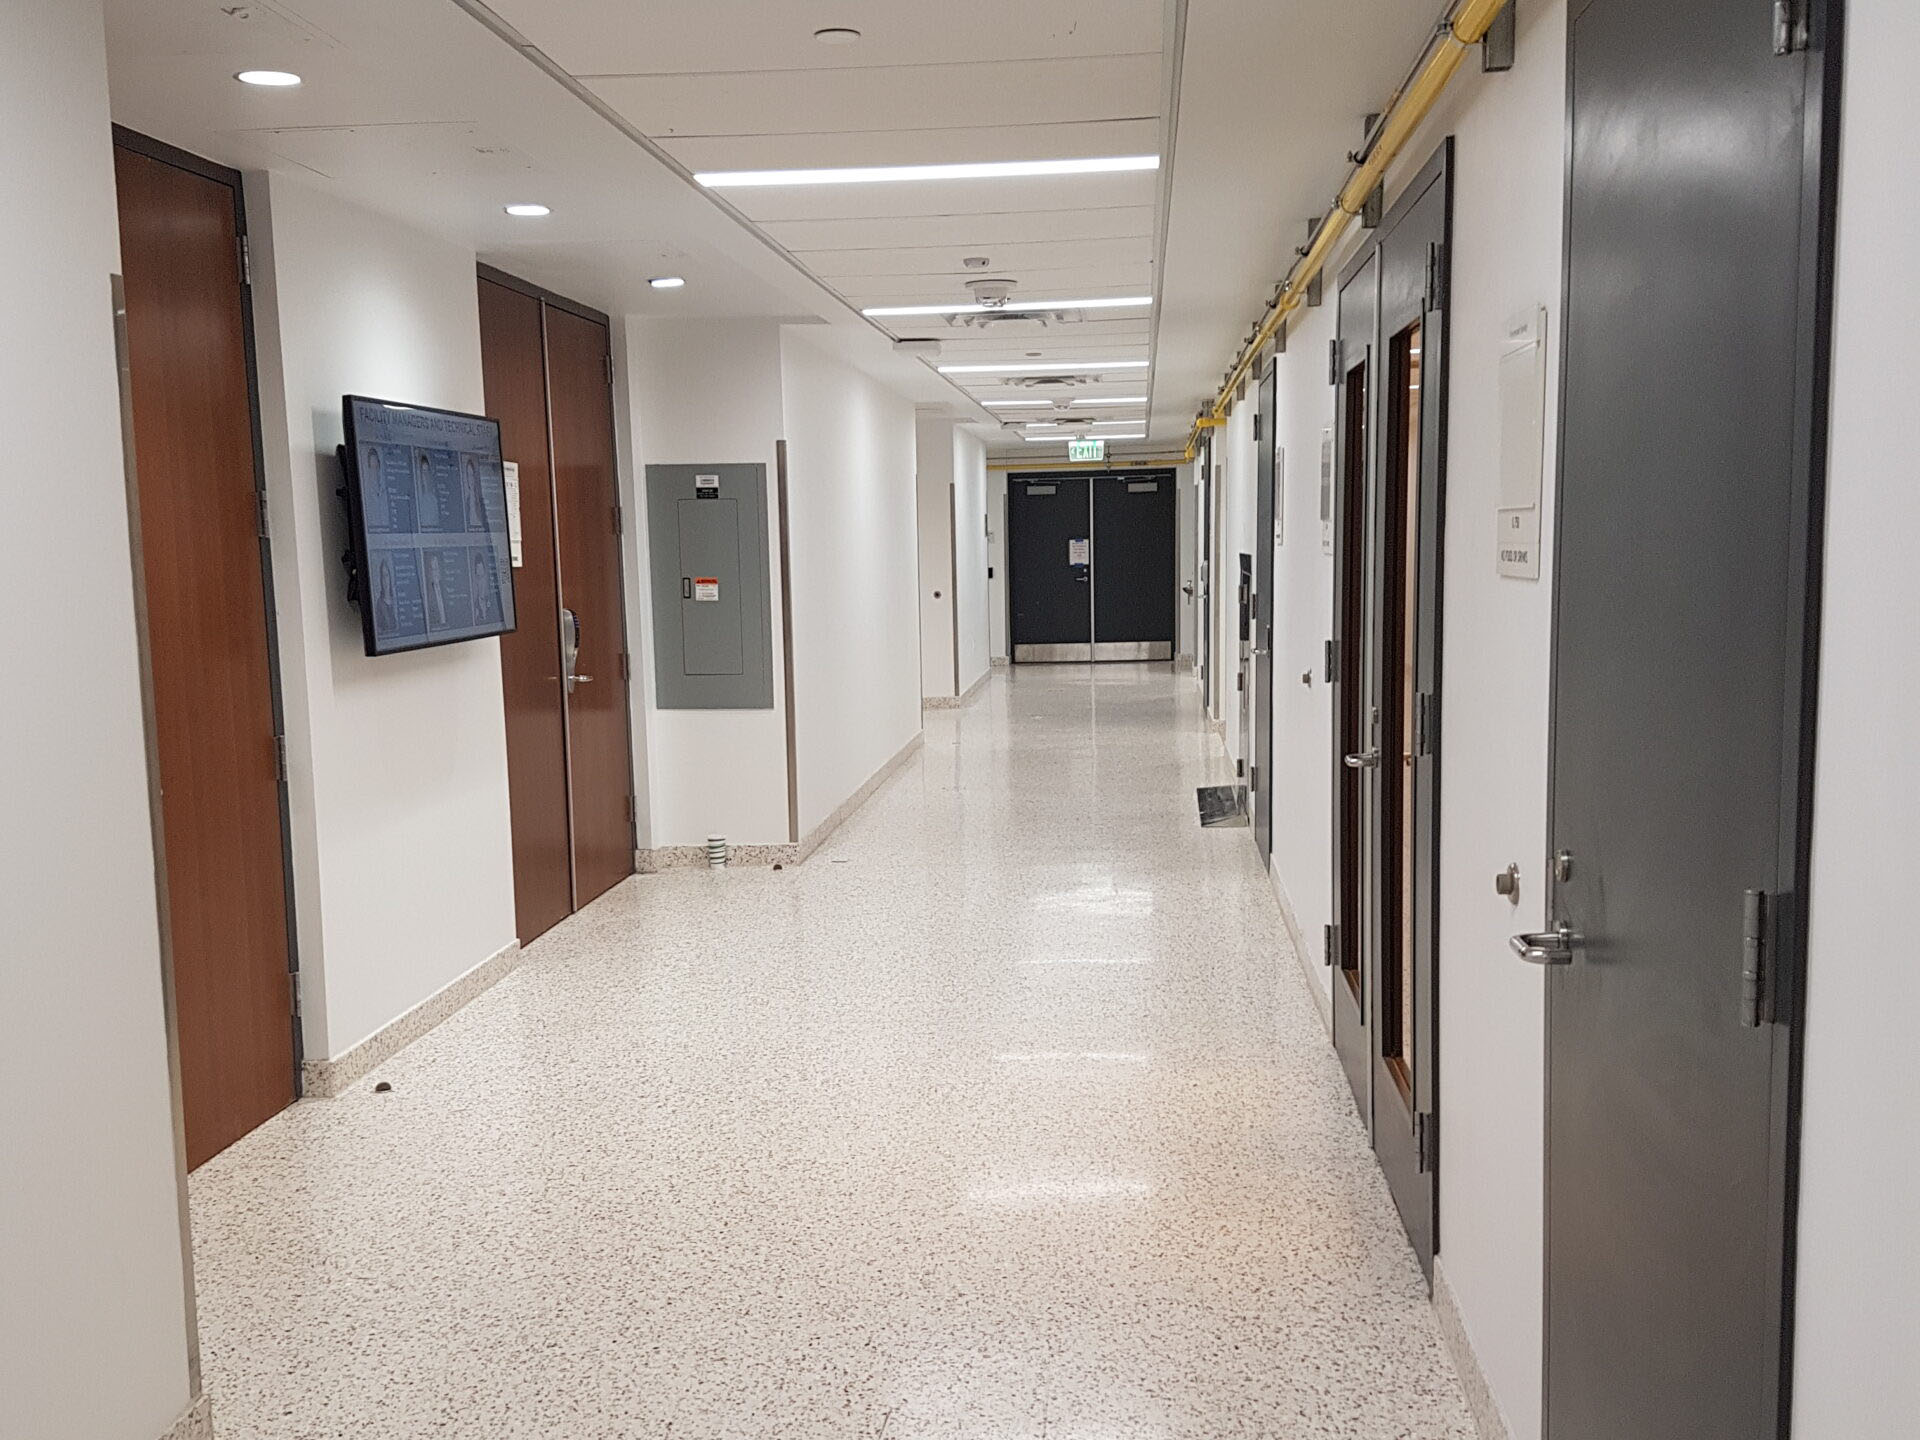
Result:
pixel 528 212
pixel 882 174
pixel 272 79
pixel 1085 367
pixel 666 282
pixel 836 35
pixel 1013 307
pixel 1115 400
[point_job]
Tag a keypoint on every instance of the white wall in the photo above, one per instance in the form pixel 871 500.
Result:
pixel 93 1289
pixel 706 391
pixel 1506 259
pixel 971 509
pixel 1858 1287
pixel 850 468
pixel 1303 621
pixel 402 849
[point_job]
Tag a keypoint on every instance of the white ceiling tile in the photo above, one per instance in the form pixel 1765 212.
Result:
pixel 922 97
pixel 1012 261
pixel 970 234
pixel 600 37
pixel 945 197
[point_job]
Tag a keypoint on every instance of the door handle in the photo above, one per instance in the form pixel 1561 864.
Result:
pixel 1548 947
pixel 1365 760
pixel 582 679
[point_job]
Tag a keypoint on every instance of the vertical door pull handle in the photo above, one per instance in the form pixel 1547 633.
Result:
pixel 1548 947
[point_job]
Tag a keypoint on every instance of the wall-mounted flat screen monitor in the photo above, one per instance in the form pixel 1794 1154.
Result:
pixel 427 508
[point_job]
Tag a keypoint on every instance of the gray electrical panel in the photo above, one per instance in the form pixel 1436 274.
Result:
pixel 712 617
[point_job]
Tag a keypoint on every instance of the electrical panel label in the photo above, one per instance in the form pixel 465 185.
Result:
pixel 706 487
pixel 706 588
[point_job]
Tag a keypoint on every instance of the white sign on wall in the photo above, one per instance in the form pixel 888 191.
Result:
pixel 1326 491
pixel 510 473
pixel 1523 429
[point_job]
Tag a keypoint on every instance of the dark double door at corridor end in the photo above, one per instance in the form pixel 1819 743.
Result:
pixel 1091 566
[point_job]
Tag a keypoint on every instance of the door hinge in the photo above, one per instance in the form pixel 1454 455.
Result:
pixel 280 758
pixel 1426 1139
pixel 1333 362
pixel 1333 661
pixel 619 521
pixel 1253 779
pixel 1423 724
pixel 245 249
pixel 1330 945
pixel 1791 31
pixel 609 360
pixel 626 665
pixel 1256 429
pixel 1436 295
pixel 261 523
pixel 293 993
pixel 1753 959
pixel 633 811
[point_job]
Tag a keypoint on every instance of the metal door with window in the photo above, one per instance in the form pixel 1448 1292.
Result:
pixel 1259 779
pixel 1685 584
pixel 1394 396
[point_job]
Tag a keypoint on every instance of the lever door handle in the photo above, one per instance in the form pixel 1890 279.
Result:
pixel 1365 760
pixel 1548 947
pixel 581 679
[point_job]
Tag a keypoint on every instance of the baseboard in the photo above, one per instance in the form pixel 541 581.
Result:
pixel 325 1079
pixel 195 1424
pixel 1183 662
pixel 954 702
pixel 694 857
pixel 1301 954
pixel 1001 660
pixel 1487 1416
pixel 814 838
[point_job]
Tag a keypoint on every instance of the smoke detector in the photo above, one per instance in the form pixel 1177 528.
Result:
pixel 991 293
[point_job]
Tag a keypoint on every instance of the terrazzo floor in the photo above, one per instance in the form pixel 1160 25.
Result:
pixel 1005 1117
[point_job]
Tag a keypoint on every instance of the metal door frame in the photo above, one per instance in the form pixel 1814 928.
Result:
pixel 1821 138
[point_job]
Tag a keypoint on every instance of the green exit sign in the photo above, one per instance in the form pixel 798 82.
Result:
pixel 1086 449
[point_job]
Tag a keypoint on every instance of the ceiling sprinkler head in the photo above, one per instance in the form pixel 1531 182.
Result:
pixel 991 293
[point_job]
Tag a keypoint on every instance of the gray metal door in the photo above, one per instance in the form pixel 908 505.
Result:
pixel 1686 530
pixel 1260 782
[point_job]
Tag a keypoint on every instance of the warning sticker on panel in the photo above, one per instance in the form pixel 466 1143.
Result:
pixel 1079 552
pixel 706 587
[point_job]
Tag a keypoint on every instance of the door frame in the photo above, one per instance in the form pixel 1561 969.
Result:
pixel 165 154
pixel 1416 1154
pixel 1267 500
pixel 1787 919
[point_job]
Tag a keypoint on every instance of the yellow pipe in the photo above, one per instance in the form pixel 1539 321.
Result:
pixel 1466 28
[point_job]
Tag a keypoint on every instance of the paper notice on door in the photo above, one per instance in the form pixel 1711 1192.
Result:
pixel 510 473
pixel 1519 543
pixel 1079 552
pixel 706 588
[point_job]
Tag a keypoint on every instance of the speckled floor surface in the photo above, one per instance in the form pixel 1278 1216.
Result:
pixel 1005 1116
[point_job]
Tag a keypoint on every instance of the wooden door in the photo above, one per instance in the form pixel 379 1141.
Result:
pixel 587 510
pixel 208 629
pixel 513 357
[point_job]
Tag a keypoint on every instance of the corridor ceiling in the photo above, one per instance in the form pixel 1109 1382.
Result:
pixel 442 111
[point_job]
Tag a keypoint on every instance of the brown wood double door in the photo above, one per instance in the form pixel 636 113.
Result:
pixel 565 669
pixel 206 599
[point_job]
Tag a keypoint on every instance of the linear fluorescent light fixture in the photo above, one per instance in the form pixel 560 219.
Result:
pixel 1060 368
pixel 1018 404
pixel 1062 439
pixel 1115 400
pixel 1014 307
pixel 886 174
